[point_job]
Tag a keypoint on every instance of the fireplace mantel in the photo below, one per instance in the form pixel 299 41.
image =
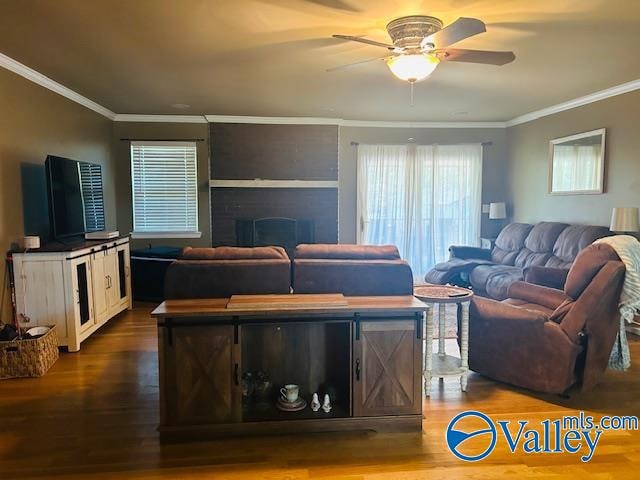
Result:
pixel 263 183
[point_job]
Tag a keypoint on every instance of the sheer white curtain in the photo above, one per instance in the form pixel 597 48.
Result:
pixel 421 198
pixel 576 167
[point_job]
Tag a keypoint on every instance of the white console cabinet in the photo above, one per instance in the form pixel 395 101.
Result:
pixel 77 288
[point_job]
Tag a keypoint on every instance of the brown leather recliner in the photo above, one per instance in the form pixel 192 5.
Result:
pixel 546 339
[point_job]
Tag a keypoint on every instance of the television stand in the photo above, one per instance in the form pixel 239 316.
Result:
pixel 366 352
pixel 76 286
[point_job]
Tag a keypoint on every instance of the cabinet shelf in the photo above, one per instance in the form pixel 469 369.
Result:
pixel 261 412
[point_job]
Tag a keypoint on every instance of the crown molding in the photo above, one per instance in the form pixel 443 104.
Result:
pixel 126 117
pixel 273 120
pixel 576 102
pixel 347 123
pixel 365 123
pixel 46 82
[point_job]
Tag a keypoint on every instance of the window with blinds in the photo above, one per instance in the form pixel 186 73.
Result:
pixel 164 180
pixel 92 197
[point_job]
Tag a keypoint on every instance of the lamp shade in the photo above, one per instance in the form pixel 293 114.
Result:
pixel 624 219
pixel 497 210
pixel 412 68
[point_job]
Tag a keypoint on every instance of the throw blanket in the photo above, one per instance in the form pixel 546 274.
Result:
pixel 628 249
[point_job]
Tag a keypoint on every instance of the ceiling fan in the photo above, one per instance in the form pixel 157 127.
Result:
pixel 420 43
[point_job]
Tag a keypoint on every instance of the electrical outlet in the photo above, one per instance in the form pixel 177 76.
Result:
pixel 485 208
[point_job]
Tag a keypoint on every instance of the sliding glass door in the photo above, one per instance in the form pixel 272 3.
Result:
pixel 421 198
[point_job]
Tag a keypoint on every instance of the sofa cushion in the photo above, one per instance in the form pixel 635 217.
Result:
pixel 234 253
pixel 498 284
pixel 223 278
pixel 494 280
pixel 347 252
pixel 573 239
pixel 447 271
pixel 352 277
pixel 509 243
pixel 538 245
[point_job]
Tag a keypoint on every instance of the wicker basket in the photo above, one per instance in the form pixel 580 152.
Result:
pixel 29 357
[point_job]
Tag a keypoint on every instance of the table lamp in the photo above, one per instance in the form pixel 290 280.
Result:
pixel 624 219
pixel 497 211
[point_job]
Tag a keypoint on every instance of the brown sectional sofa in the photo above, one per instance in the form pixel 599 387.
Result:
pixel 520 247
pixel 348 269
pixel 546 339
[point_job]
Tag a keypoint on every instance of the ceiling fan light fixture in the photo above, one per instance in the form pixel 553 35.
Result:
pixel 413 67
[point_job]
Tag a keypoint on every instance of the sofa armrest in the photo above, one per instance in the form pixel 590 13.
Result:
pixel 494 311
pixel 546 276
pixel 465 252
pixel 532 293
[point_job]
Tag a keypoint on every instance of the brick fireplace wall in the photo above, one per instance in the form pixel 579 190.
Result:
pixel 273 152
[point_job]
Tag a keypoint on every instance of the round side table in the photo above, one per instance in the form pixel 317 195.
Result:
pixel 440 364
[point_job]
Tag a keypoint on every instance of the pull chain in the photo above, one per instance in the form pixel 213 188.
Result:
pixel 411 83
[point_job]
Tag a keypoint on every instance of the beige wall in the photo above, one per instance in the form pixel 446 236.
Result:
pixel 529 156
pixel 35 122
pixel 494 172
pixel 161 131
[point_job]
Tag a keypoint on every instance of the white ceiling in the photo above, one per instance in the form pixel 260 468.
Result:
pixel 268 57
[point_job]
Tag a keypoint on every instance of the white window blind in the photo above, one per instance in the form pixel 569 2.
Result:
pixel 164 181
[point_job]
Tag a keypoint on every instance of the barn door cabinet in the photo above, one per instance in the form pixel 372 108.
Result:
pixel 77 287
pixel 370 364
pixel 387 368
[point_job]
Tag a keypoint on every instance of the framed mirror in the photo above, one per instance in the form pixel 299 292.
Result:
pixel 576 164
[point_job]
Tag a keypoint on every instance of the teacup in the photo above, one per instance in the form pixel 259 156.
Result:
pixel 290 392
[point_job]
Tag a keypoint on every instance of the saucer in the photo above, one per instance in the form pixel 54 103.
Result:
pixel 286 406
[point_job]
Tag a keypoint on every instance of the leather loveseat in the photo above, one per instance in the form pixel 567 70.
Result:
pixel 519 247
pixel 546 339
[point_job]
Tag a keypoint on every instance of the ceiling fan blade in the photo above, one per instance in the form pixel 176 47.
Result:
pixel 459 30
pixel 365 40
pixel 349 65
pixel 336 4
pixel 475 56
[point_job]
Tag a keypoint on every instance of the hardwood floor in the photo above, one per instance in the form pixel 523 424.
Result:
pixel 94 415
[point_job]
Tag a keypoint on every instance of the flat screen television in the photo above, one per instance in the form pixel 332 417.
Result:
pixel 76 201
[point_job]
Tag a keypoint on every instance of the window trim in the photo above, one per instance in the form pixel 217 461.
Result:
pixel 160 234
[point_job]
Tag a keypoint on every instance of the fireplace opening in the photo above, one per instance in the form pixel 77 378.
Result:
pixel 284 232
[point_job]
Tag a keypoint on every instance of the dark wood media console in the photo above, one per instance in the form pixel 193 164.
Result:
pixel 365 351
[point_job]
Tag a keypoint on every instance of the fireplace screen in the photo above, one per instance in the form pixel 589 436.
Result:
pixel 284 232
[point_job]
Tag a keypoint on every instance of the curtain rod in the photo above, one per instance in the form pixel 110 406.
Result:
pixel 484 144
pixel 162 139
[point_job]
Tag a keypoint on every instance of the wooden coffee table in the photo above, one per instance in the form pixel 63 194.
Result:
pixel 440 364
